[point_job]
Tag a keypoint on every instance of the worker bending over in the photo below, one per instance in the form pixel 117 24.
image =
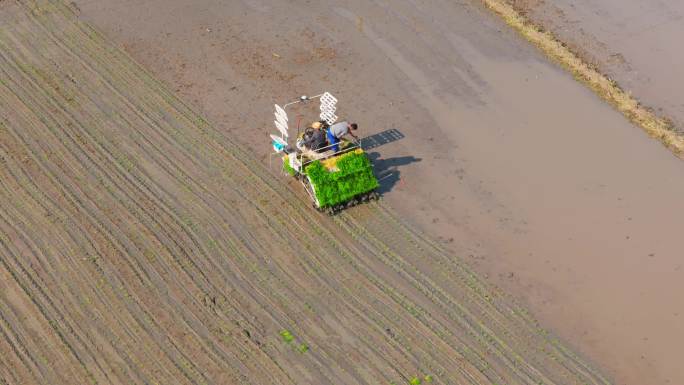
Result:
pixel 338 130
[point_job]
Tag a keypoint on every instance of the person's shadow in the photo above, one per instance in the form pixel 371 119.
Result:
pixel 387 170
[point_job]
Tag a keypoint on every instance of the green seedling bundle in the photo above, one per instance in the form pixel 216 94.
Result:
pixel 287 168
pixel 353 177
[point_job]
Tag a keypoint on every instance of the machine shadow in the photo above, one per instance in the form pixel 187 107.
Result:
pixel 387 170
pixel 381 138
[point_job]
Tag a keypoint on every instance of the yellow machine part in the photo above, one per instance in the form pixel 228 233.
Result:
pixel 331 163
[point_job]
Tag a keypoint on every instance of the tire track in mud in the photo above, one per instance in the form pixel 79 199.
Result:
pixel 145 247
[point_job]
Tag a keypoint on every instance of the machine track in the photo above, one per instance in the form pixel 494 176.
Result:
pixel 336 209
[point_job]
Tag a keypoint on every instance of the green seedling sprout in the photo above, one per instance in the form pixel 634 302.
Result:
pixel 287 336
pixel 415 381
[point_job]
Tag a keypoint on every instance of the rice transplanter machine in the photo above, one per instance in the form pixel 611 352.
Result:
pixel 334 177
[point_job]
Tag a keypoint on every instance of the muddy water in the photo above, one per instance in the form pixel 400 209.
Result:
pixel 517 168
pixel 637 42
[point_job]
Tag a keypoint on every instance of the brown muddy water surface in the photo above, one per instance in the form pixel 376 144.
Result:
pixel 508 161
pixel 636 42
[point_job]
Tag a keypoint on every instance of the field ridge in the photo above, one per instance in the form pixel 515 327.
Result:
pixel 606 88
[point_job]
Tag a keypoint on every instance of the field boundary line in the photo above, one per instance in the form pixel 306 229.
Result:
pixel 602 85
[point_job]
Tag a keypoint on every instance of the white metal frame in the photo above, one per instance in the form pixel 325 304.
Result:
pixel 327 107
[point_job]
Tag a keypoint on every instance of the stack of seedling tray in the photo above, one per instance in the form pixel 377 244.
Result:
pixel 344 178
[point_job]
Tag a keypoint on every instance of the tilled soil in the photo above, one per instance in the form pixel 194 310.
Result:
pixel 141 246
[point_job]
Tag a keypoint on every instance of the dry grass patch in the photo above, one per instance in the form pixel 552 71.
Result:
pixel 606 88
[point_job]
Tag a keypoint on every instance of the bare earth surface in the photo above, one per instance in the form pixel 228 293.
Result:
pixel 140 245
pixel 506 160
pixel 636 42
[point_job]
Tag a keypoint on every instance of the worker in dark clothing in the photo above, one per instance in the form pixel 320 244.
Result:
pixel 314 137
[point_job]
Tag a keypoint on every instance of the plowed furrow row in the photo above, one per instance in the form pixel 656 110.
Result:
pixel 100 286
pixel 459 315
pixel 503 316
